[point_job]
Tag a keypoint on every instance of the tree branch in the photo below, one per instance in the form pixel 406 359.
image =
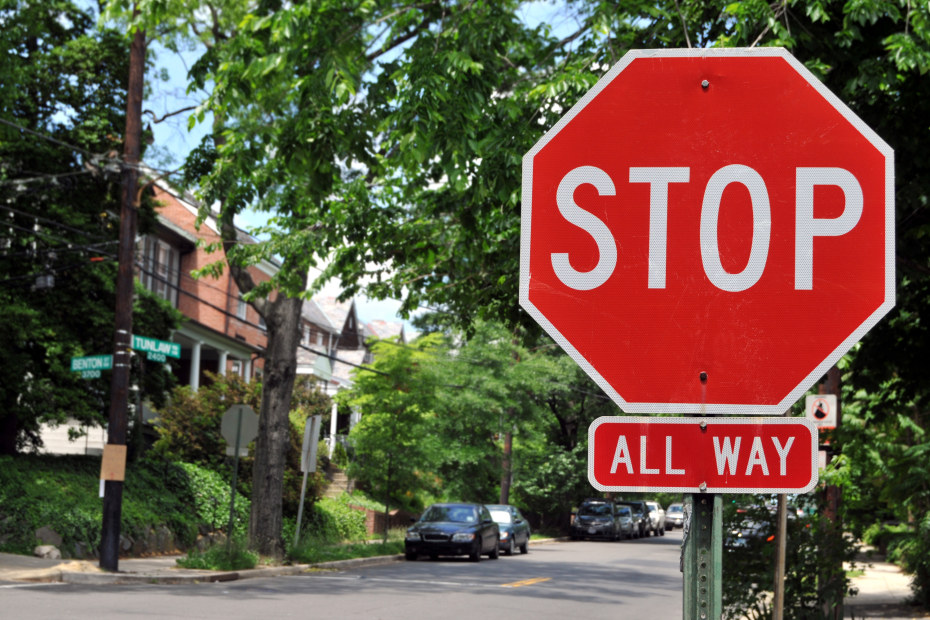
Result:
pixel 156 119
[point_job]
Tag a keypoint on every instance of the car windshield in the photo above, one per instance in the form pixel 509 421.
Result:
pixel 594 510
pixel 454 514
pixel 674 508
pixel 501 516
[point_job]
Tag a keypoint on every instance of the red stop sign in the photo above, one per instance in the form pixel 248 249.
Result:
pixel 708 231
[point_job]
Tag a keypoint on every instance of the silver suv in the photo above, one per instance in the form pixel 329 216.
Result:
pixel 656 518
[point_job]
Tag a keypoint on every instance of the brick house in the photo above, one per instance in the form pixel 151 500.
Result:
pixel 222 334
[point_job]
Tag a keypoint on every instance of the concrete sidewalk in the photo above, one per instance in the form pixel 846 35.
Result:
pixel 883 593
pixel 163 569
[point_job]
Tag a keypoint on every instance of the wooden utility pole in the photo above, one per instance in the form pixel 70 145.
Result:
pixel 122 341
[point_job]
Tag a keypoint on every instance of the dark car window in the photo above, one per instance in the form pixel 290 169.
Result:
pixel 595 510
pixel 485 515
pixel 624 511
pixel 454 514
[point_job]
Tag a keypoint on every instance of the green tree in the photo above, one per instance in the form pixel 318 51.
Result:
pixel 394 451
pixel 61 115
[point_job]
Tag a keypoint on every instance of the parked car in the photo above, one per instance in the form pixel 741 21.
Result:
pixel 515 531
pixel 640 516
pixel 656 518
pixel 453 529
pixel 675 516
pixel 596 518
pixel 625 521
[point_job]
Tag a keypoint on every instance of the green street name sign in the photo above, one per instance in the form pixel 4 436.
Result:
pixel 90 366
pixel 156 350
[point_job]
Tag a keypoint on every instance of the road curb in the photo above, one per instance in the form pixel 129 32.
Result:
pixel 172 576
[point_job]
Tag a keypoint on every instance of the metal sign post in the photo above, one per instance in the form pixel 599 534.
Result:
pixel 307 463
pixel 702 557
pixel 239 426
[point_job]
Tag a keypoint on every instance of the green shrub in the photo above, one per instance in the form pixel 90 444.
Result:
pixel 885 537
pixel 235 556
pixel 340 456
pixel 914 553
pixel 210 495
pixel 332 521
pixel 62 492
pixel 189 426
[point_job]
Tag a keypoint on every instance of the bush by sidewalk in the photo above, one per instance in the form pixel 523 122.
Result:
pixel 62 493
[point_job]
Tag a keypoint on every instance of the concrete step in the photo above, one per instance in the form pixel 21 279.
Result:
pixel 339 483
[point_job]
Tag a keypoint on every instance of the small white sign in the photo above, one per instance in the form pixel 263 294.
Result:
pixel 821 410
pixel 311 439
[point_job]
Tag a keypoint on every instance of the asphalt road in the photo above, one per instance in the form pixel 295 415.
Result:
pixel 636 578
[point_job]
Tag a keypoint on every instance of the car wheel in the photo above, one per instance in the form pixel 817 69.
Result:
pixel 662 532
pixel 475 555
pixel 525 547
pixel 410 555
pixel 509 549
pixel 496 551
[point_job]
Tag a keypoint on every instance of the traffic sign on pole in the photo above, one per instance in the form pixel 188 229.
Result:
pixel 821 410
pixel 708 231
pixel 703 455
pixel 91 365
pixel 156 350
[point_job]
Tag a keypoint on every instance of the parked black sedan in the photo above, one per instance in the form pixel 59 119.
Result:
pixel 515 531
pixel 453 529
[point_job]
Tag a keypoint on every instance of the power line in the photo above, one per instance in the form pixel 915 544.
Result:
pixel 47 138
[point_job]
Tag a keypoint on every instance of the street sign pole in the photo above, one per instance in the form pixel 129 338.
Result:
pixel 702 552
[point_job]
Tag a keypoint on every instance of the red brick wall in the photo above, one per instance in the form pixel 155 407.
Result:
pixel 211 301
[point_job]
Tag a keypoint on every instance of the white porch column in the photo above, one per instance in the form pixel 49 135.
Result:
pixel 195 366
pixel 223 356
pixel 247 369
pixel 332 430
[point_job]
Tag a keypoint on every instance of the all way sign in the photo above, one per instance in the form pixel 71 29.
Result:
pixel 703 455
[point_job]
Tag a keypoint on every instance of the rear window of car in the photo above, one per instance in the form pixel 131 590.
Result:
pixel 598 509
pixel 454 514
pixel 500 516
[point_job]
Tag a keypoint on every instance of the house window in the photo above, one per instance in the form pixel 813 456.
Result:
pixel 161 269
pixel 241 308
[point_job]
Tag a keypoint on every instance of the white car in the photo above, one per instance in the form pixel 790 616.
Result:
pixel 656 518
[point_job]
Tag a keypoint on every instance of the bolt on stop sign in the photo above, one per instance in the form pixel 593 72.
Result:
pixel 708 231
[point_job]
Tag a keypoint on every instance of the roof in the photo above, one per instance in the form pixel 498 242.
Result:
pixel 312 313
pixel 382 329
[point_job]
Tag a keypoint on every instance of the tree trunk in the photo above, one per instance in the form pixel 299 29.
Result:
pixel 9 429
pixel 283 321
pixel 506 472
